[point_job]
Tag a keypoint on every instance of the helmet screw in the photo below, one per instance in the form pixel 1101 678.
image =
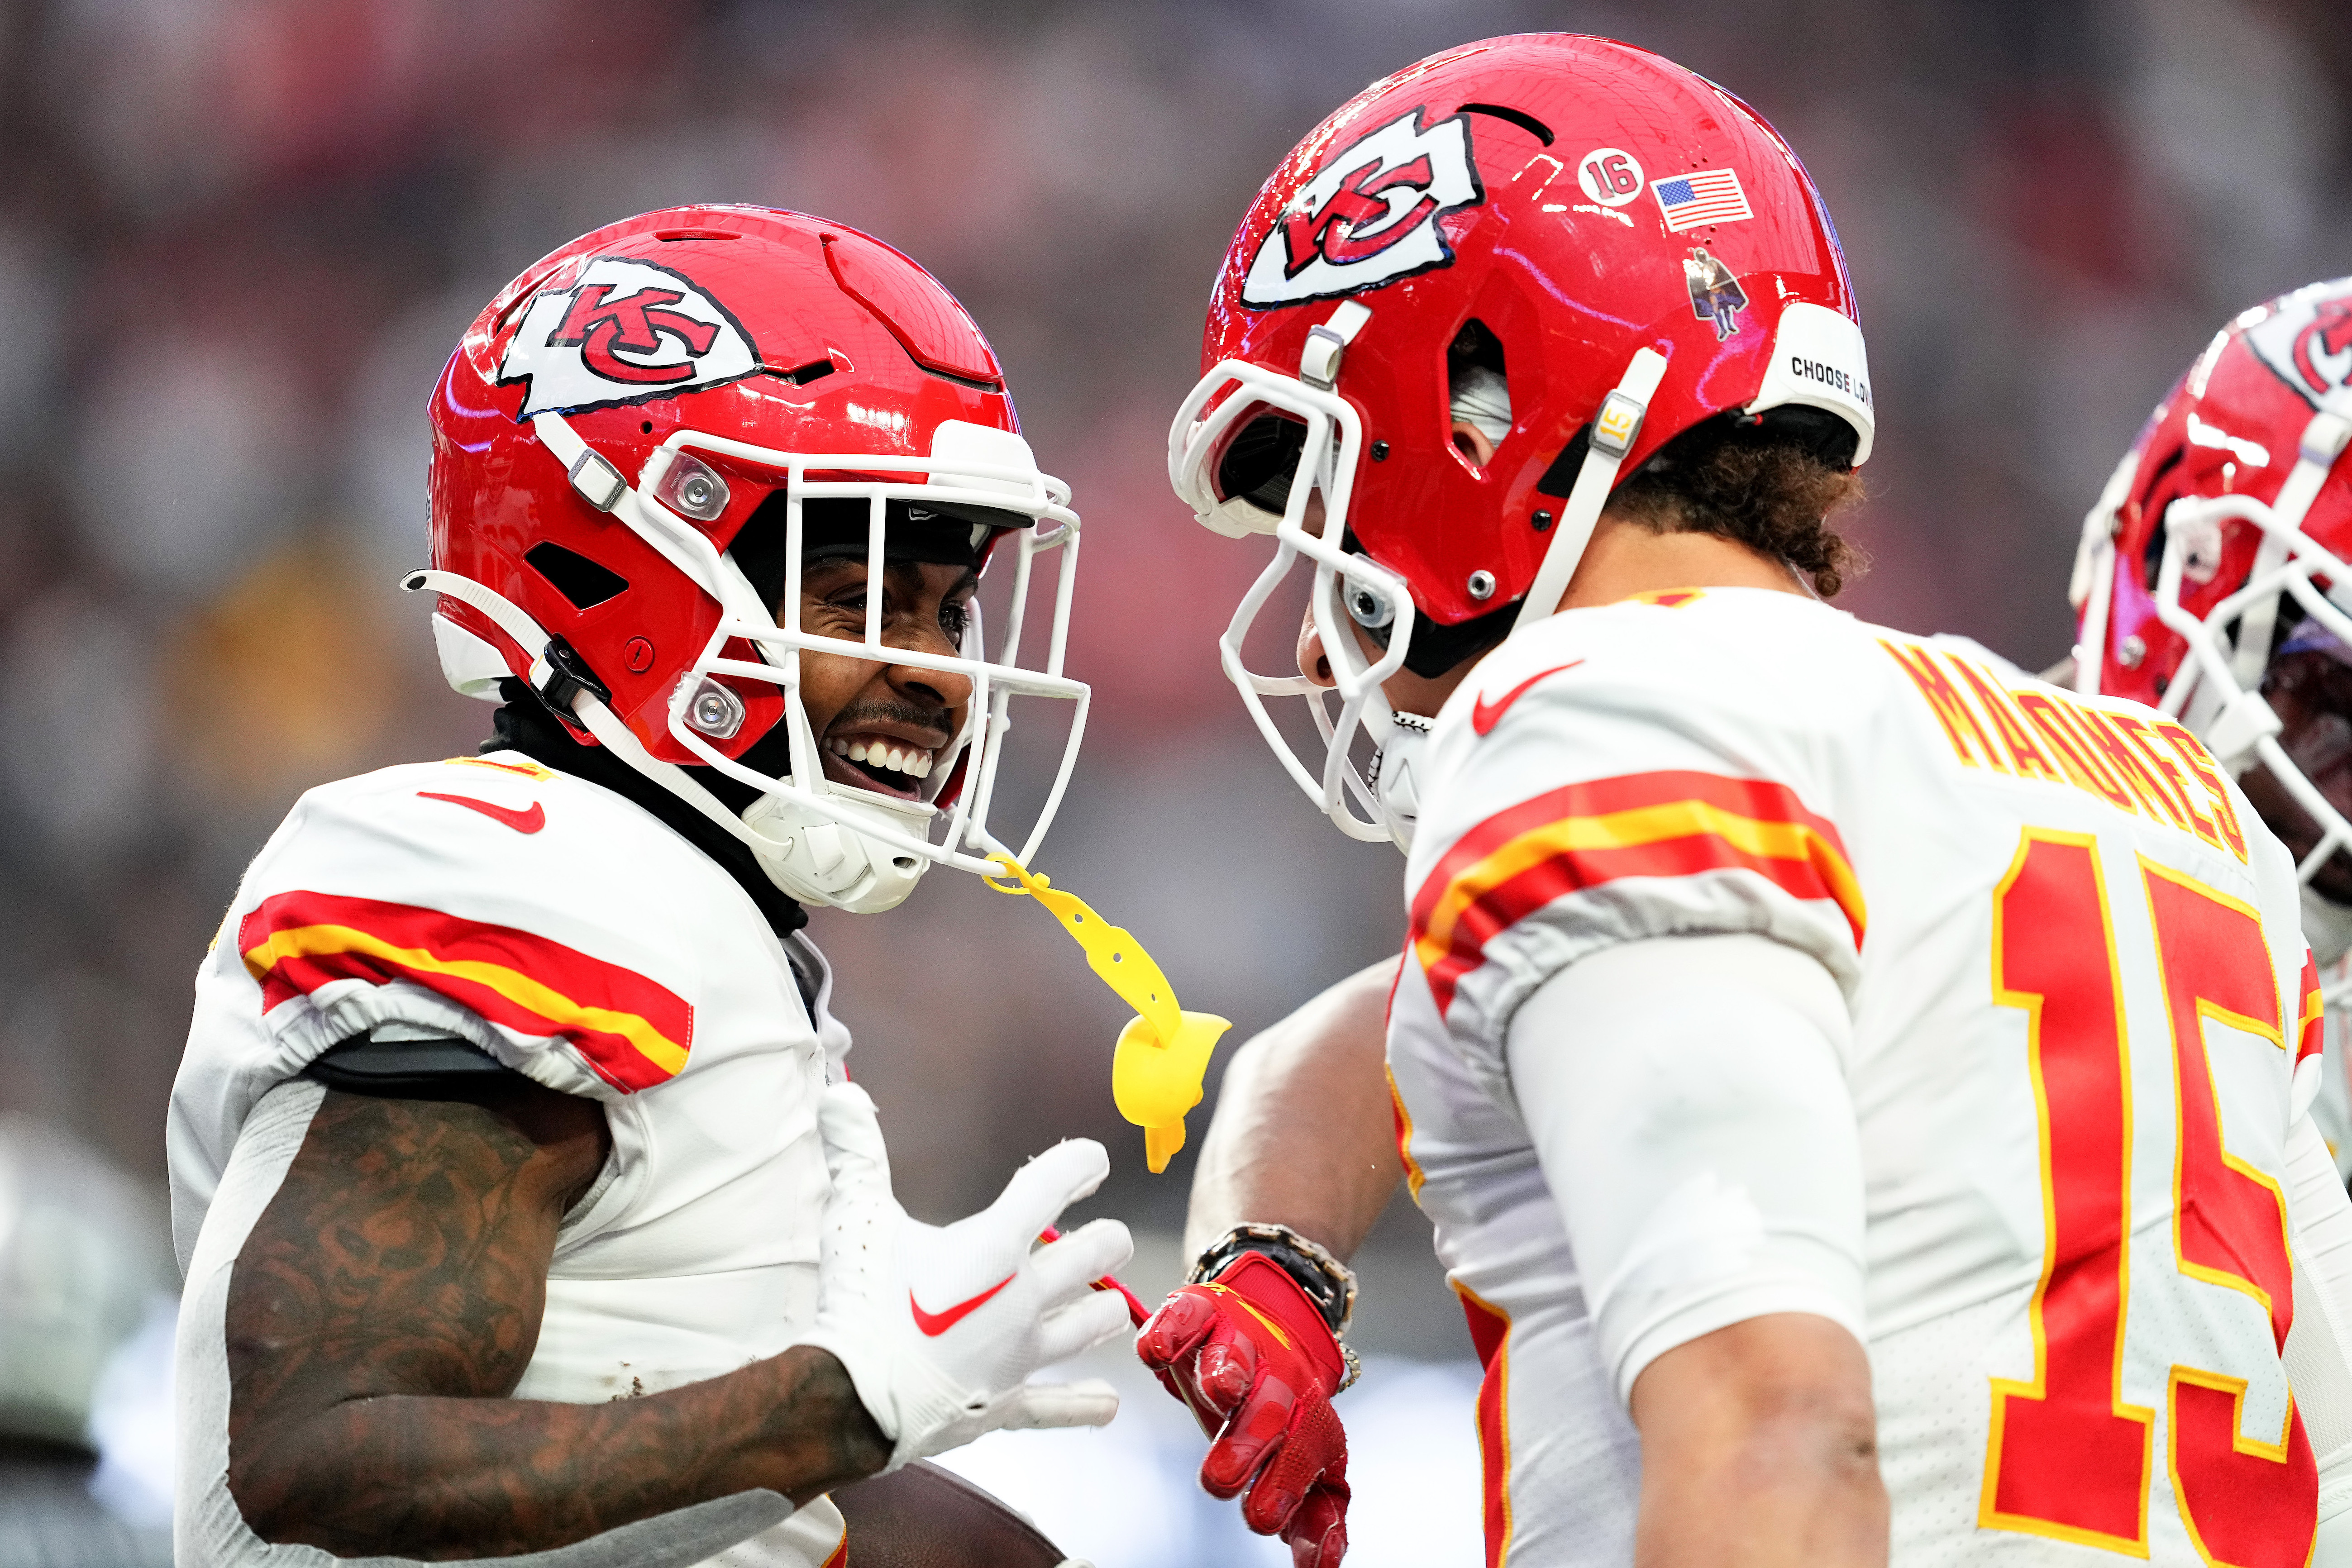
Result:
pixel 1380 451
pixel 639 655
pixel 1543 522
pixel 1482 585
pixel 715 710
pixel 2130 651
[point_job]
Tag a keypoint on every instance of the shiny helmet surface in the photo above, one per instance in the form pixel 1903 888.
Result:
pixel 2220 543
pixel 635 447
pixel 1581 244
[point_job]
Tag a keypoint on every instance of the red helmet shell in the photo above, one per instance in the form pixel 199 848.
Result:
pixel 2231 425
pixel 768 327
pixel 1612 200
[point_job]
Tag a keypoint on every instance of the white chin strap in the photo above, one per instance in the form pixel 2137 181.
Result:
pixel 817 860
pixel 1614 429
pixel 1396 783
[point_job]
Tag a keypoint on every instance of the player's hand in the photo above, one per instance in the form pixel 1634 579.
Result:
pixel 1255 1361
pixel 941 1328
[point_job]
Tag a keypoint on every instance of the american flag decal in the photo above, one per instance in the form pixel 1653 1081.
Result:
pixel 1711 196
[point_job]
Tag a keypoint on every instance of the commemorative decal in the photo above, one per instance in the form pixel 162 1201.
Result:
pixel 2308 340
pixel 1609 176
pixel 623 331
pixel 1714 293
pixel 1370 215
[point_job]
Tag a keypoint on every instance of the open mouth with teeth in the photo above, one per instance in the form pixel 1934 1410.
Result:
pixel 885 763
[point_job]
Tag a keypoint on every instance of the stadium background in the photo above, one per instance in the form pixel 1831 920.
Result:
pixel 237 237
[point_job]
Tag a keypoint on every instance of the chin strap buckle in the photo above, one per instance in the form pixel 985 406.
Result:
pixel 1327 342
pixel 559 673
pixel 1615 426
pixel 1618 422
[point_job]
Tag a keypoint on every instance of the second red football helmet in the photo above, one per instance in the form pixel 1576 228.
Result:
pixel 2227 524
pixel 640 407
pixel 1619 248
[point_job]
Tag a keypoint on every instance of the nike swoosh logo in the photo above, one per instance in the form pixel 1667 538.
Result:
pixel 937 1323
pixel 1486 715
pixel 529 821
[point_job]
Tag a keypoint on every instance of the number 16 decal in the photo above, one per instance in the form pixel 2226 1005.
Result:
pixel 2068 1458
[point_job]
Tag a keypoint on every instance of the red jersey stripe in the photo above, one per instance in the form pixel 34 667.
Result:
pixel 631 1032
pixel 1490 1337
pixel 2311 1031
pixel 1666 824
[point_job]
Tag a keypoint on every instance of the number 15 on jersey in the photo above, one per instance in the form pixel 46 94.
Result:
pixel 2070 1457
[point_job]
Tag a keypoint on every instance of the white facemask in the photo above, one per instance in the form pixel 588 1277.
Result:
pixel 1395 787
pixel 2327 926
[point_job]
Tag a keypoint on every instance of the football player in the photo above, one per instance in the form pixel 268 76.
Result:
pixel 1813 1042
pixel 523 1203
pixel 2246 640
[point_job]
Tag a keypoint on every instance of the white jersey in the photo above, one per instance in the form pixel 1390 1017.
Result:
pixel 575 938
pixel 2078 994
pixel 2331 1111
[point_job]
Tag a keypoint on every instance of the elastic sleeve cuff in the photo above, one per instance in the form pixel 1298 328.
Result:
pixel 308 1028
pixel 1698 1318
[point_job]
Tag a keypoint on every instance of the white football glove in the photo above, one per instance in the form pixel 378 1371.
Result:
pixel 941 1328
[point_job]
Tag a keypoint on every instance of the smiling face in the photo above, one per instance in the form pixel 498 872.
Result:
pixel 883 727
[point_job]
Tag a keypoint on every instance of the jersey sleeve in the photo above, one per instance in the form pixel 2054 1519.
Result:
pixel 393 912
pixel 1688 1101
pixel 1625 794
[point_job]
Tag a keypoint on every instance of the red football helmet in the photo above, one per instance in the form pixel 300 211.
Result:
pixel 611 422
pixel 1617 249
pixel 2228 521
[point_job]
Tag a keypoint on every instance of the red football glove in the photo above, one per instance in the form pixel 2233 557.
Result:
pixel 1251 1357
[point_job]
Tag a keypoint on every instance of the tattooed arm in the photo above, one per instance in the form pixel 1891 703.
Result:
pixel 390 1294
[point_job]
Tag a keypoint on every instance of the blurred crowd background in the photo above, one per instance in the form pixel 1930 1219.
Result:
pixel 238 236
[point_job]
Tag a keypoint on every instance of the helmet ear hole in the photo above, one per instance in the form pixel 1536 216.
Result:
pixel 585 583
pixel 1479 393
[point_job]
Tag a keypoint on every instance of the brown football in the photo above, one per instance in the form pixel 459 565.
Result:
pixel 926 1517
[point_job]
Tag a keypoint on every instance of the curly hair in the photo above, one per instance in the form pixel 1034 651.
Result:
pixel 1769 485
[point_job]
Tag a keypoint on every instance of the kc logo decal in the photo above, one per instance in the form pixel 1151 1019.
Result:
pixel 2308 340
pixel 1369 217
pixel 623 331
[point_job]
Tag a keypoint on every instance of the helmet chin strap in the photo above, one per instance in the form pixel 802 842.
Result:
pixel 824 861
pixel 589 709
pixel 1614 429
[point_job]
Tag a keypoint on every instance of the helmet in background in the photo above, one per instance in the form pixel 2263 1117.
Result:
pixel 638 444
pixel 1577 245
pixel 82 1259
pixel 2221 542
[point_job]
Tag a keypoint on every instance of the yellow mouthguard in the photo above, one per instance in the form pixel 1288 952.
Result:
pixel 1163 1052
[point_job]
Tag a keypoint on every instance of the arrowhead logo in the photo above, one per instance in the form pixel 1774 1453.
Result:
pixel 936 1323
pixel 529 821
pixel 1370 215
pixel 624 331
pixel 1484 715
pixel 2306 342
